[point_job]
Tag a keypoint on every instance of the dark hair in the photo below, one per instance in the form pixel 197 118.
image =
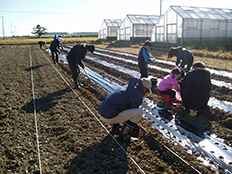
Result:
pixel 173 51
pixel 199 65
pixel 147 42
pixel 175 70
pixel 91 48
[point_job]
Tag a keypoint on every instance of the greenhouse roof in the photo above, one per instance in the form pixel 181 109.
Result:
pixel 203 12
pixel 113 22
pixel 143 19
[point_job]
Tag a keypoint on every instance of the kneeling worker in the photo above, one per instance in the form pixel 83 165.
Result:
pixel 122 106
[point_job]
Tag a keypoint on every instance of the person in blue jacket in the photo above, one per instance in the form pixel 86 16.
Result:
pixel 74 57
pixel 182 54
pixel 122 106
pixel 144 58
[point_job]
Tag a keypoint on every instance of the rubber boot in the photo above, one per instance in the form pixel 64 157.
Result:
pixel 76 84
pixel 170 102
pixel 166 98
pixel 125 130
pixel 115 129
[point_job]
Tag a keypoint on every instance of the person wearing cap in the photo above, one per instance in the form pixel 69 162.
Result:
pixel 182 54
pixel 144 58
pixel 75 57
pixel 56 47
pixel 196 87
pixel 167 84
pixel 122 106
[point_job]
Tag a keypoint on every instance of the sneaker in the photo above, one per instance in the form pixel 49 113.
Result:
pixel 127 139
pixel 115 129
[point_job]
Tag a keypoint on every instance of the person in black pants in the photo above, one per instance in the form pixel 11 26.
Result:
pixel 196 87
pixel 74 57
pixel 144 59
pixel 185 56
pixel 56 47
pixel 41 44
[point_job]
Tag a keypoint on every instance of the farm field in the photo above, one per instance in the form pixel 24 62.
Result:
pixel 71 139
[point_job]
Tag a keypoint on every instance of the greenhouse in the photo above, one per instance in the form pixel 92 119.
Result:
pixel 109 29
pixel 136 27
pixel 180 24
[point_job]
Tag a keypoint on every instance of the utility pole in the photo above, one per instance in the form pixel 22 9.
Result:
pixel 3 35
pixel 160 7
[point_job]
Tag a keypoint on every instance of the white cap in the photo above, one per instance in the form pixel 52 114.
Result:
pixel 60 39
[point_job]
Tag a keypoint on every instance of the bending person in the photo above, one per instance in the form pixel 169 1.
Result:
pixel 74 57
pixel 122 106
pixel 182 54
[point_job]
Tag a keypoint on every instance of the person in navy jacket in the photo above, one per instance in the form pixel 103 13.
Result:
pixel 182 54
pixel 144 59
pixel 122 106
pixel 74 57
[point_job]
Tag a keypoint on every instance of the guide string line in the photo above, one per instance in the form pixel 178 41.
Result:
pixel 94 114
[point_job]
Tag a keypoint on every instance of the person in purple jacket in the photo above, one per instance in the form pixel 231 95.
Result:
pixel 182 54
pixel 144 59
pixel 122 106
pixel 166 86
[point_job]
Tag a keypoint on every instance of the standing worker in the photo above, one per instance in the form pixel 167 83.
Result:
pixel 122 106
pixel 75 56
pixel 181 54
pixel 144 59
pixel 196 87
pixel 56 47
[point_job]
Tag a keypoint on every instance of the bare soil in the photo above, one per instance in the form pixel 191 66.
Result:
pixel 71 139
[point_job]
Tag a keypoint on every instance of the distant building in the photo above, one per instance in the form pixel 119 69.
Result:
pixel 109 29
pixel 137 27
pixel 51 34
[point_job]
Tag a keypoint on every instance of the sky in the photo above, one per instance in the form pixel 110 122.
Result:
pixel 19 17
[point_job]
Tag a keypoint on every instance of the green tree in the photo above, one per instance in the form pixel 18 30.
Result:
pixel 39 30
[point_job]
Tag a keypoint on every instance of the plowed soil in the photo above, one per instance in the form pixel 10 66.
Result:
pixel 71 139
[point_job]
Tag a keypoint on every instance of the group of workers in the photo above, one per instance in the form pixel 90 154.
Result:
pixel 122 106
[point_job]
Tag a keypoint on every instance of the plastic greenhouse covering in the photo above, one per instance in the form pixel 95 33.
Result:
pixel 137 26
pixel 179 24
pixel 109 28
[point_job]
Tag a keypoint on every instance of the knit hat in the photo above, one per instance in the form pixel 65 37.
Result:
pixel 91 48
pixel 146 83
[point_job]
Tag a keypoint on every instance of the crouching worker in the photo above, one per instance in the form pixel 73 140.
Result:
pixel 122 106
pixel 167 84
pixel 196 87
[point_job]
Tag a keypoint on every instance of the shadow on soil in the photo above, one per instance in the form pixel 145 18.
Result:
pixel 103 157
pixel 34 67
pixel 45 103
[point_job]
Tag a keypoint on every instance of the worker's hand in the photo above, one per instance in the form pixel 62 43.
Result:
pixel 153 60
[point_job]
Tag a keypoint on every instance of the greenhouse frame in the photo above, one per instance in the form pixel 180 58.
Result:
pixel 136 27
pixel 109 28
pixel 180 24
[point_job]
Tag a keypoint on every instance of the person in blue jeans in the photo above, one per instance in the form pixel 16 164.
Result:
pixel 182 54
pixel 144 59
